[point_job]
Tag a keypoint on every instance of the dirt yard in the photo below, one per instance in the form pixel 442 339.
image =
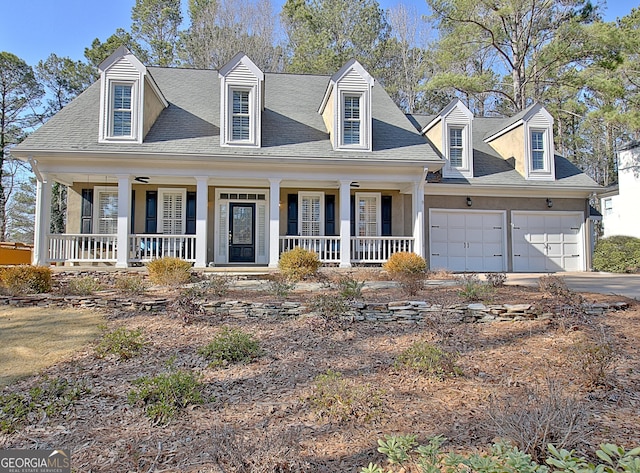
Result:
pixel 261 412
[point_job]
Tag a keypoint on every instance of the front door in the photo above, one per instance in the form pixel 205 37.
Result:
pixel 242 241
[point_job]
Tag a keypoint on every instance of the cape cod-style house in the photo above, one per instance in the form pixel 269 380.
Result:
pixel 236 166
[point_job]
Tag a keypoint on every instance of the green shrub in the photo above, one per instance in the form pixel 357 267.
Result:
pixel 83 286
pixel 329 306
pixel 133 284
pixel 121 342
pixel 428 359
pixel 403 456
pixel 169 271
pixel 231 346
pixel 25 279
pixel 336 398
pixel 217 285
pixel 349 288
pixel 162 396
pixel 403 263
pixel 473 289
pixel 617 254
pixel 298 264
pixel 51 397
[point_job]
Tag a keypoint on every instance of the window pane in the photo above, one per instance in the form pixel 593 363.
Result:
pixel 107 212
pixel 240 101
pixel 351 121
pixel 121 120
pixel 240 128
pixel 121 123
pixel 455 147
pixel 122 97
pixel 367 216
pixel 240 115
pixel 537 150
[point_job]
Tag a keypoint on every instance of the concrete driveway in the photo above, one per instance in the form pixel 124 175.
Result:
pixel 627 285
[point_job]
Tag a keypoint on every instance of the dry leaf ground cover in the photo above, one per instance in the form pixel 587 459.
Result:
pixel 261 416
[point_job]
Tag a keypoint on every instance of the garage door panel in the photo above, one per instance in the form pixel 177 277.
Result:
pixel 475 240
pixel 547 242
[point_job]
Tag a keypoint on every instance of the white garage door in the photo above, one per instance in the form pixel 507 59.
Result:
pixel 467 240
pixel 547 242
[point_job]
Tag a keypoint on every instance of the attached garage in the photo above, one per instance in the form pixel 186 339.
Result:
pixel 547 241
pixel 467 240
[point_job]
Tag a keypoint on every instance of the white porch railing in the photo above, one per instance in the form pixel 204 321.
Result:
pixel 327 247
pixel 363 249
pixel 378 249
pixel 85 247
pixel 147 247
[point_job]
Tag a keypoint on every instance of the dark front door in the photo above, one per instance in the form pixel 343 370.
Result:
pixel 242 235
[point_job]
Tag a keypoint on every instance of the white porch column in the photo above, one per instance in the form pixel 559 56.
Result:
pixel 202 201
pixel 274 222
pixel 417 206
pixel 42 221
pixel 124 220
pixel 345 224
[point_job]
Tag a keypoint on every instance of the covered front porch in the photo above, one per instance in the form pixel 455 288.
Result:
pixel 128 220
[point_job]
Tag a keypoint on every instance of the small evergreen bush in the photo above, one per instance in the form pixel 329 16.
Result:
pixel 298 264
pixel 169 271
pixel 617 254
pixel 83 286
pixel 231 346
pixel 121 342
pixel 428 359
pixel 25 279
pixel 164 395
pixel 134 284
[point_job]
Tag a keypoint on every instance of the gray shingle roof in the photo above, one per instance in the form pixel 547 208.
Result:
pixel 291 124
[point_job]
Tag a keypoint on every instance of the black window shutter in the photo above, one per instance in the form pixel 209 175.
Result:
pixel 133 211
pixel 292 214
pixel 191 213
pixel 151 216
pixel 386 215
pixel 329 215
pixel 86 220
pixel 353 215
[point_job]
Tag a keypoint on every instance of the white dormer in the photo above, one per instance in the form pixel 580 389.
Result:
pixel 451 131
pixel 346 108
pixel 528 138
pixel 130 100
pixel 241 103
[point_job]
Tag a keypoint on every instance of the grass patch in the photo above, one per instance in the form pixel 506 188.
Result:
pixel 34 338
pixel 428 359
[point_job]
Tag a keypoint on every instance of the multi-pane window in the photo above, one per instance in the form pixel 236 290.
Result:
pixel 608 206
pixel 351 120
pixel 172 212
pixel 367 215
pixel 121 125
pixel 240 115
pixel 311 214
pixel 455 147
pixel 537 150
pixel 107 212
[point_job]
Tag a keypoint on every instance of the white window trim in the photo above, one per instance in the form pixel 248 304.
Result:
pixel 378 197
pixel 547 172
pixel 172 190
pixel 463 157
pixel 97 191
pixel 107 128
pixel 465 169
pixel 302 195
pixel 607 205
pixel 365 120
pixel 343 107
pixel 231 89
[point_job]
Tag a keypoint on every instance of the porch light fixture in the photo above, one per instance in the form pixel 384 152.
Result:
pixel 549 203
pixel 469 202
pixel 142 179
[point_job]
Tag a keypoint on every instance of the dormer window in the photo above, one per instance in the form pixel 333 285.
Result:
pixel 537 150
pixel 455 146
pixel 121 113
pixel 351 121
pixel 240 128
pixel 346 108
pixel 241 103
